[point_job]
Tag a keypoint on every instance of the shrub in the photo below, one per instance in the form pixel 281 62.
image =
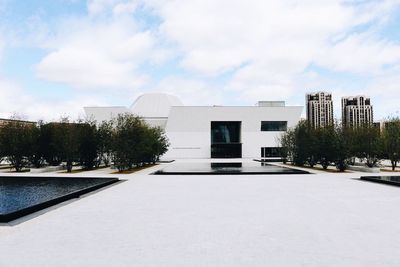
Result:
pixel 16 142
pixel 134 143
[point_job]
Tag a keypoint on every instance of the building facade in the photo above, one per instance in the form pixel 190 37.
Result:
pixel 319 108
pixel 214 131
pixel 356 111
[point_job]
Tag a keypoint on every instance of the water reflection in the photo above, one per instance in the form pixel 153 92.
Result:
pixel 17 193
pixel 227 168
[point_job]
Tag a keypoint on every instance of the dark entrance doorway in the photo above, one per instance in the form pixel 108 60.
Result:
pixel 225 139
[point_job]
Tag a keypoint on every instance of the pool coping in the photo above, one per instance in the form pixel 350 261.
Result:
pixel 8 217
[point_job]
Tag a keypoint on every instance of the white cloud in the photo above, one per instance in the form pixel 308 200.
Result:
pixel 96 7
pixel 125 8
pixel 360 53
pixel 117 7
pixel 384 92
pixel 12 99
pixel 216 36
pixel 98 55
pixel 259 49
pixel 16 100
pixel 269 44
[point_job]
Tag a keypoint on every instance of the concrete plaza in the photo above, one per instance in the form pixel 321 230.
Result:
pixel 321 219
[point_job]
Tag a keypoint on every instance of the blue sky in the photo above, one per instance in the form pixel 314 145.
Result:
pixel 57 56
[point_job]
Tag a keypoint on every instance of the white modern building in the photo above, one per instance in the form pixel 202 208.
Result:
pixel 212 131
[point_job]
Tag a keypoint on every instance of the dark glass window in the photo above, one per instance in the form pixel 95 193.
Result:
pixel 271 152
pixel 273 126
pixel 225 132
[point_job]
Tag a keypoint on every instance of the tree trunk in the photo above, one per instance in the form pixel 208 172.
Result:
pixel 325 164
pixel 69 166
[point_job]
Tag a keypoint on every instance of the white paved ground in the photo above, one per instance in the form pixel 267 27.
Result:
pixel 293 220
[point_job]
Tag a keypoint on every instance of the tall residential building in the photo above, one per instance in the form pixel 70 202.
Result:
pixel 319 109
pixel 357 110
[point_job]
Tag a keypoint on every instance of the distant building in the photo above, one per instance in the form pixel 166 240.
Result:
pixel 319 109
pixel 356 111
pixel 382 124
pixel 3 122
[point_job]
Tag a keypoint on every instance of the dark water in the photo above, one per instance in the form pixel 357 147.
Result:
pixel 383 179
pixel 17 193
pixel 227 168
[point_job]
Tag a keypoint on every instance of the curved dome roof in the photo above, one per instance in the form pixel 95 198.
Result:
pixel 154 105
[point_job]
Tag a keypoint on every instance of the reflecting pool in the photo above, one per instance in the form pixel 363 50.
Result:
pixel 20 196
pixel 218 168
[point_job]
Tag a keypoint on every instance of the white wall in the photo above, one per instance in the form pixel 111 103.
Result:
pixel 188 128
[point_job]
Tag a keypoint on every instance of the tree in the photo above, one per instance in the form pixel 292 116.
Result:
pixel 87 144
pixel 366 143
pixel 135 143
pixel 69 142
pixel 391 141
pixel 127 141
pixel 51 142
pixel 37 155
pixel 341 148
pixel 327 145
pixel 299 154
pixel 155 144
pixel 304 144
pixel 312 145
pixel 327 149
pixel 287 143
pixel 104 137
pixel 16 139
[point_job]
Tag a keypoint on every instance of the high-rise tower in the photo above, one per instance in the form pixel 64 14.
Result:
pixel 319 109
pixel 356 111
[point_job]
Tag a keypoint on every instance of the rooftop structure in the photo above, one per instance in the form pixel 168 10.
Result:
pixel 271 103
pixel 104 113
pixel 154 105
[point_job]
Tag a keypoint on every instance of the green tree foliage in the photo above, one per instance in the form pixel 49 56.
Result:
pixel 127 141
pixel 69 141
pixel 341 148
pixel 306 145
pixel 335 145
pixel 366 143
pixel 134 143
pixel 287 143
pixel 51 142
pixel 155 144
pixel 391 141
pixel 88 144
pixel 104 141
pixel 37 154
pixel 326 145
pixel 16 142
